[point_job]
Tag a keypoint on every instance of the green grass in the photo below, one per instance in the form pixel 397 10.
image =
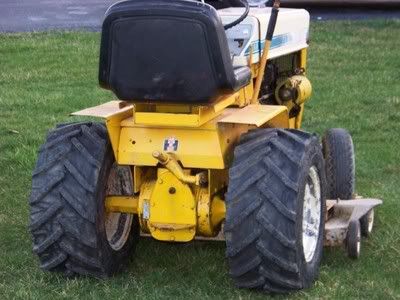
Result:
pixel 354 67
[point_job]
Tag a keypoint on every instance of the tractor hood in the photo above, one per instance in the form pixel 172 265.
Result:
pixel 291 33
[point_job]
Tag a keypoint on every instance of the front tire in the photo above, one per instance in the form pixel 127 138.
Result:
pixel 339 155
pixel 268 213
pixel 68 221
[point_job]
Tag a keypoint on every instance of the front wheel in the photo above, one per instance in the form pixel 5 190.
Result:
pixel 275 210
pixel 72 232
pixel 339 155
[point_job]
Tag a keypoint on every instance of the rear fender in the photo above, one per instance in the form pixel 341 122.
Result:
pixel 113 113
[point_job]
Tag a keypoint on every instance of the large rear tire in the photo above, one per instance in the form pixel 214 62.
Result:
pixel 71 231
pixel 275 210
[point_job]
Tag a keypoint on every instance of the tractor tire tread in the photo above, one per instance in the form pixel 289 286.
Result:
pixel 340 163
pixel 262 253
pixel 62 225
pixel 275 232
pixel 79 178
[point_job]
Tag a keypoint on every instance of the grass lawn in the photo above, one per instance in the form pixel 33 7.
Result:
pixel 354 67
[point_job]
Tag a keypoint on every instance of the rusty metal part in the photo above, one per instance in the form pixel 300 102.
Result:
pixel 341 213
pixel 173 166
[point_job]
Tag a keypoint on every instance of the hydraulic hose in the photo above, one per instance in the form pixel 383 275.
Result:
pixel 241 18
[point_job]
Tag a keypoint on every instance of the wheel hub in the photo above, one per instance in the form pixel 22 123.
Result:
pixel 118 225
pixel 311 214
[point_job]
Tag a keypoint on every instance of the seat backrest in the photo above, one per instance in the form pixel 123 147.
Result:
pixel 169 51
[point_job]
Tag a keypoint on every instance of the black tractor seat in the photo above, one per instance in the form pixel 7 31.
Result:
pixel 168 51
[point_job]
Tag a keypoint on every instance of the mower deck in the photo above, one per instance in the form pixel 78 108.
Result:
pixel 339 214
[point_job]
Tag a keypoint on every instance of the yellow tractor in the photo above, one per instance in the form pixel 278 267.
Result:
pixel 204 141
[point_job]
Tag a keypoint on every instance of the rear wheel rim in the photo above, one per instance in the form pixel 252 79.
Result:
pixel 311 214
pixel 118 225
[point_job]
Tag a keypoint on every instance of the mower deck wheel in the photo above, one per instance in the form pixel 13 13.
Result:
pixel 353 239
pixel 367 223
